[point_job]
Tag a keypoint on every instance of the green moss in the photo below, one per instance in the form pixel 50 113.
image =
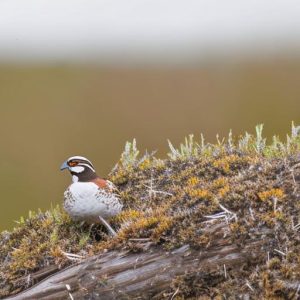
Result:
pixel 169 201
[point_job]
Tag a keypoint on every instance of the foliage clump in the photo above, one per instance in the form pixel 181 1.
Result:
pixel 252 186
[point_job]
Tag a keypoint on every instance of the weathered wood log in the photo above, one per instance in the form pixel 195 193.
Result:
pixel 148 274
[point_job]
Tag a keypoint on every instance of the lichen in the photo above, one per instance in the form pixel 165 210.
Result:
pixel 272 193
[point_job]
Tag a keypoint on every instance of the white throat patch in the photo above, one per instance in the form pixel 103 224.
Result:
pixel 74 178
pixel 77 169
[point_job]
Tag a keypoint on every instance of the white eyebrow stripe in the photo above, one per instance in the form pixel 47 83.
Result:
pixel 77 157
pixel 83 164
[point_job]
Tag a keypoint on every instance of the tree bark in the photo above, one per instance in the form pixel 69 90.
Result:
pixel 150 273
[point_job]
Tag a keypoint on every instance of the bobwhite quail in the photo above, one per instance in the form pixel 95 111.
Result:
pixel 90 198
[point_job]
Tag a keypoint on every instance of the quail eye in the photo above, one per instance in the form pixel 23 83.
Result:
pixel 73 163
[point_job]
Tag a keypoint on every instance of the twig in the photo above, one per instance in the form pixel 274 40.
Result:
pixel 69 291
pixel 72 256
pixel 176 292
pixel 226 214
pixel 152 191
pixel 140 240
pixel 225 272
pixel 249 286
pixel 108 227
pixel 217 216
pixel 28 280
pixel 233 215
pixel 295 227
pixel 275 203
pixel 280 252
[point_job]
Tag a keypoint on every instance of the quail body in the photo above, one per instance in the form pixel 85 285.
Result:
pixel 90 198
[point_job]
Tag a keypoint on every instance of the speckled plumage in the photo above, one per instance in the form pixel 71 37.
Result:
pixel 90 198
pixel 86 201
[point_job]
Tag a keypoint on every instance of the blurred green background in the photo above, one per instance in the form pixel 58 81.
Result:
pixel 49 113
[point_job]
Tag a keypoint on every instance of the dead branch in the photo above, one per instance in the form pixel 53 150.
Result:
pixel 123 274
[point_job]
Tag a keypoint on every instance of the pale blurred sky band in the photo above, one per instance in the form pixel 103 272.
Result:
pixel 145 31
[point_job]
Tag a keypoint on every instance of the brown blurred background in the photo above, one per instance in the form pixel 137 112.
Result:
pixel 86 78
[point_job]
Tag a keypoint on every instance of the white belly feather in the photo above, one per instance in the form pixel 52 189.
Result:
pixel 86 201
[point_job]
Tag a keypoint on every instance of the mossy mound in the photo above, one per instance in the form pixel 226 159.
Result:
pixel 169 202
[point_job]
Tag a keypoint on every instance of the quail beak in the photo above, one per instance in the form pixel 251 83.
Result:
pixel 64 166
